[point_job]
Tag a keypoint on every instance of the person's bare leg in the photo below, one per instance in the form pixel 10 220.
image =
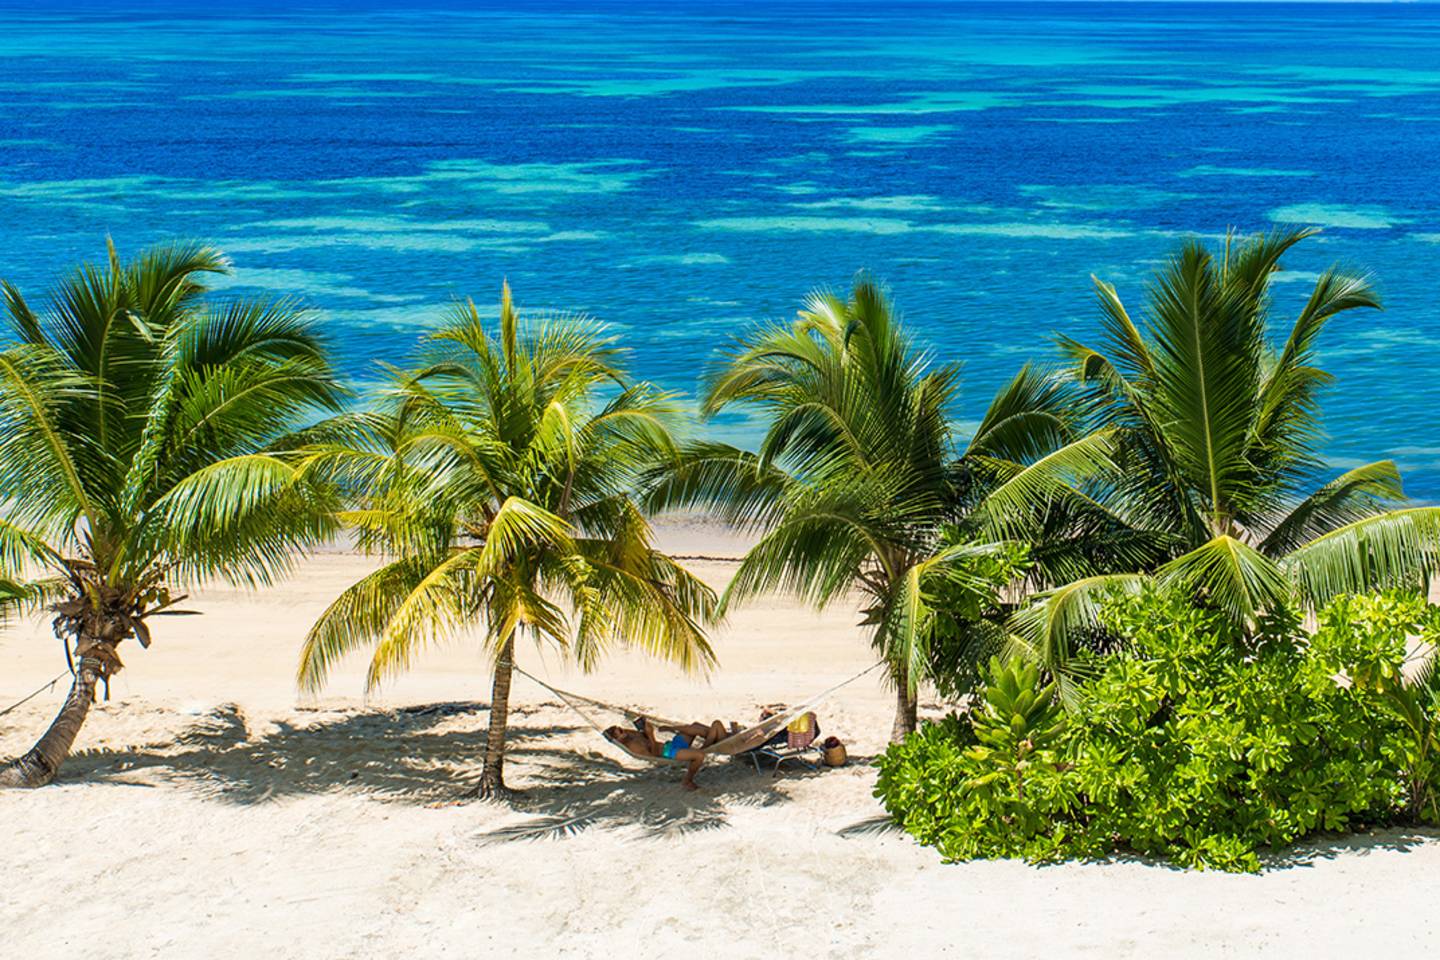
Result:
pixel 688 729
pixel 650 740
pixel 696 760
pixel 717 732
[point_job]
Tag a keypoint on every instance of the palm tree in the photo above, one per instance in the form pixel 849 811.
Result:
pixel 1217 434
pixel 141 439
pixel 498 483
pixel 860 485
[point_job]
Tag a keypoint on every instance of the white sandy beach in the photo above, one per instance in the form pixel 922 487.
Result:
pixel 211 812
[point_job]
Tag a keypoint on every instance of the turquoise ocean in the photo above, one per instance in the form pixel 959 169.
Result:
pixel 682 170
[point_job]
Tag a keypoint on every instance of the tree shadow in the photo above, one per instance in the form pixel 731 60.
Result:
pixel 1312 850
pixel 570 793
pixel 409 755
pixel 879 826
pixel 430 756
pixel 1306 852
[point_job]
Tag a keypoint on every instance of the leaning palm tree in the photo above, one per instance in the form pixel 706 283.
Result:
pixel 497 483
pixel 860 484
pixel 141 451
pixel 1217 449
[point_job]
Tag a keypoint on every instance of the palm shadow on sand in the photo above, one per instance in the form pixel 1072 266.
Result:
pixel 430 755
pixel 594 791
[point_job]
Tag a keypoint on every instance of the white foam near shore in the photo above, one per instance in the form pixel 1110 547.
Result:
pixel 211 811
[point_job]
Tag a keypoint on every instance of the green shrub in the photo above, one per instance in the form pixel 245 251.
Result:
pixel 1367 640
pixel 986 785
pixel 1191 743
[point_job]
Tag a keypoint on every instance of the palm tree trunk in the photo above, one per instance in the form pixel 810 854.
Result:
pixel 492 776
pixel 907 705
pixel 40 765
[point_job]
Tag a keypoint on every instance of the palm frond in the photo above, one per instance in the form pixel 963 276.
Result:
pixel 816 555
pixel 356 618
pixel 519 528
pixel 1011 509
pixel 243 518
pixel 1396 549
pixel 1233 577
pixel 1207 344
pixel 1029 417
pixel 732 484
pixel 40 465
pixel 1357 493
pixel 1048 629
pixel 445 600
pixel 25 325
pixel 1133 356
pixel 22 549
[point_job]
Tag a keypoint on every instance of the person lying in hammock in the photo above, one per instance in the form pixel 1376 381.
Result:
pixel 642 742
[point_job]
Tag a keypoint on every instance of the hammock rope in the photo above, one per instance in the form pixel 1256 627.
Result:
pixel 42 689
pixel 736 743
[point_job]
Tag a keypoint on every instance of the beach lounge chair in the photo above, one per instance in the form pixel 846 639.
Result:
pixel 798 742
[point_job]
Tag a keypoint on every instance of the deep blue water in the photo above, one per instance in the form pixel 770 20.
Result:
pixel 681 170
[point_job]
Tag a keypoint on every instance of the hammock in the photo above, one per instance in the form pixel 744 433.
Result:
pixel 738 742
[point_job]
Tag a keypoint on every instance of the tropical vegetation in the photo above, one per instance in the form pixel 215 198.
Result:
pixel 1178 709
pixel 861 484
pixel 145 432
pixel 1216 427
pixel 497 479
pixel 1118 562
pixel 1177 747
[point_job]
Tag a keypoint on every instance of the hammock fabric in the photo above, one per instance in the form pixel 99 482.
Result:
pixel 736 743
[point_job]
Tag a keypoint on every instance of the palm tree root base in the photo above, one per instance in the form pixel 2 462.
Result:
pixel 27 772
pixel 494 789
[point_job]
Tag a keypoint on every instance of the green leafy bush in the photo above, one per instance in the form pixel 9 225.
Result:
pixel 1368 641
pixel 1192 742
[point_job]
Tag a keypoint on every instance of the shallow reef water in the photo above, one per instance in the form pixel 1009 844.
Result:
pixel 680 170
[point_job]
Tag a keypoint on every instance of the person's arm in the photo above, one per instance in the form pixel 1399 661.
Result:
pixel 650 740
